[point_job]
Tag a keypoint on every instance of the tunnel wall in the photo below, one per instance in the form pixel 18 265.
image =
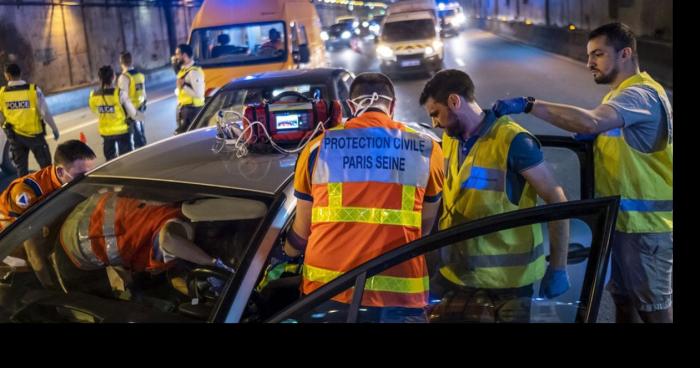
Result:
pixel 60 47
pixel 654 47
pixel 647 18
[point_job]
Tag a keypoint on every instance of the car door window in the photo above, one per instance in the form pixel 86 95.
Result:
pixel 130 267
pixel 571 162
pixel 343 87
pixel 468 284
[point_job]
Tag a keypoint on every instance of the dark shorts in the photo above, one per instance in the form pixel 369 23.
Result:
pixel 642 270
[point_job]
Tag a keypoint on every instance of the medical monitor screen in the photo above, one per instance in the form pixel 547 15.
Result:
pixel 287 121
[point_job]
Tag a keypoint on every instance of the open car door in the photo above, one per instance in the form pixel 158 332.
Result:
pixel 592 222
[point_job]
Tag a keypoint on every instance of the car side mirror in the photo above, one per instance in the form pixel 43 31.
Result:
pixel 303 55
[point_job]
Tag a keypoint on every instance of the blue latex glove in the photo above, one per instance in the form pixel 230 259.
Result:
pixel 585 137
pixel 220 264
pixel 215 284
pixel 510 106
pixel 554 283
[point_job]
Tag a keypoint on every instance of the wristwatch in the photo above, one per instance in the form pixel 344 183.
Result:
pixel 530 103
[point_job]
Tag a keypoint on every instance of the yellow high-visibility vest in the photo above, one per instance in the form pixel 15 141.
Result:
pixel 137 87
pixel 183 99
pixel 505 259
pixel 111 115
pixel 643 180
pixel 20 107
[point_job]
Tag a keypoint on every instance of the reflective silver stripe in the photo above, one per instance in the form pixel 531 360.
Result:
pixel 506 260
pixel 109 233
pixel 84 233
pixel 373 154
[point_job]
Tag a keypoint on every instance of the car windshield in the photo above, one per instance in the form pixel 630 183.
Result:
pixel 447 13
pixel 232 102
pixel 408 30
pixel 100 225
pixel 337 29
pixel 240 44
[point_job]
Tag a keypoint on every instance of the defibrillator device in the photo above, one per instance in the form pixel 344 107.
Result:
pixel 285 123
pixel 290 118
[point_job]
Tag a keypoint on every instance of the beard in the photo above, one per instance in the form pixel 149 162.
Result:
pixel 607 78
pixel 453 128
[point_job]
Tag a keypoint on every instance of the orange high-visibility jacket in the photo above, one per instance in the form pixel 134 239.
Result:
pixel 110 230
pixel 368 181
pixel 24 192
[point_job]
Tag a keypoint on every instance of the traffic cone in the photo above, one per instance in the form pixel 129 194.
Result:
pixel 82 137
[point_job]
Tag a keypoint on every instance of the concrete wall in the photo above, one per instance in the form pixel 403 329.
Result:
pixel 60 47
pixel 651 20
pixel 648 18
pixel 654 57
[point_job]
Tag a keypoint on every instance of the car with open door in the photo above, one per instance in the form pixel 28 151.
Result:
pixel 258 189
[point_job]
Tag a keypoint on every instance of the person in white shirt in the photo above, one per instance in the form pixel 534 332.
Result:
pixel 190 88
pixel 134 83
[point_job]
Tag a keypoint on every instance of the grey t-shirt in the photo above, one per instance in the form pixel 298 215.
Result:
pixel 645 124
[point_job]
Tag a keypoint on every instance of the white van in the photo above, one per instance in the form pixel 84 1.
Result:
pixel 409 39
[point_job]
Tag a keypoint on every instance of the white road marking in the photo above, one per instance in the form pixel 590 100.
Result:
pixel 94 121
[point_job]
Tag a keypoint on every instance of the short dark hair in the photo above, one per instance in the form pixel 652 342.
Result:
pixel 368 83
pixel 71 151
pixel 618 35
pixel 185 49
pixel 223 39
pixel 125 58
pixel 13 70
pixel 446 82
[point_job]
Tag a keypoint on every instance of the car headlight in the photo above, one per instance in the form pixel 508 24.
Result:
pixel 345 35
pixel 459 19
pixel 385 52
pixel 357 31
pixel 365 24
pixel 429 51
pixel 324 35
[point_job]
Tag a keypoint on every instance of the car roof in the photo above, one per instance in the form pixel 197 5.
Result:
pixel 189 158
pixel 285 78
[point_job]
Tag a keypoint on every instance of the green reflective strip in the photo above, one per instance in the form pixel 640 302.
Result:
pixel 335 195
pixel 408 197
pixel 367 215
pixel 335 212
pixel 374 283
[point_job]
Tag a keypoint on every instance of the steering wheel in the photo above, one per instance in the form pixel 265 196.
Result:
pixel 286 94
pixel 198 286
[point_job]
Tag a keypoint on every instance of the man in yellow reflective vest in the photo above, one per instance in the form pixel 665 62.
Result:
pixel 190 88
pixel 493 165
pixel 363 189
pixel 134 83
pixel 23 110
pixel 633 147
